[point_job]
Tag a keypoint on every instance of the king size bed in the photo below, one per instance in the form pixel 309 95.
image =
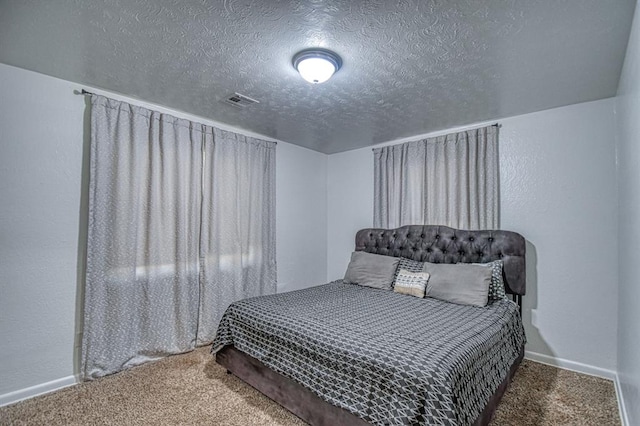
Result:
pixel 348 354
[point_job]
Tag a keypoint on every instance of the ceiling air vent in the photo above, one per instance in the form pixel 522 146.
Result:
pixel 239 101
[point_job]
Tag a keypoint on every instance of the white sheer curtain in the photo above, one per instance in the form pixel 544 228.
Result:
pixel 447 180
pixel 168 205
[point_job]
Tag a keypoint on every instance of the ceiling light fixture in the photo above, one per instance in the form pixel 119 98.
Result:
pixel 316 65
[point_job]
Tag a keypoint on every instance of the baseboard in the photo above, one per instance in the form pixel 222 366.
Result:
pixel 570 365
pixel 623 409
pixel 19 395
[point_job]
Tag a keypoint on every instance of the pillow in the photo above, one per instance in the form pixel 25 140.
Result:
pixel 411 283
pixel 496 288
pixel 461 283
pixel 408 265
pixel 371 270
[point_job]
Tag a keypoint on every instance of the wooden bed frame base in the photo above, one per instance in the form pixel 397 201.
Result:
pixel 311 408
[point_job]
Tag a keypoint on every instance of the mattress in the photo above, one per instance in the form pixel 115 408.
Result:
pixel 385 357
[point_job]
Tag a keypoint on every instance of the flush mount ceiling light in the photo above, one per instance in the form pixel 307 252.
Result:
pixel 316 65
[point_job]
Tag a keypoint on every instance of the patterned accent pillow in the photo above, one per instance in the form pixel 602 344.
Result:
pixel 496 288
pixel 408 265
pixel 411 283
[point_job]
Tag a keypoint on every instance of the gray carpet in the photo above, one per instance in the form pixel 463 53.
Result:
pixel 191 389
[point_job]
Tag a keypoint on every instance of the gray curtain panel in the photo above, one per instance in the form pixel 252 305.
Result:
pixel 238 240
pixel 150 284
pixel 448 180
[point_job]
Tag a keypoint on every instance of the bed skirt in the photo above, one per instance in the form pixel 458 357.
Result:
pixel 307 405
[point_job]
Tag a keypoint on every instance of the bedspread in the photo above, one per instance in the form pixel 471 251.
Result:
pixel 385 357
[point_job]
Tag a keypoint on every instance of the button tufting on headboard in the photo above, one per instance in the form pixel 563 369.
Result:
pixel 433 243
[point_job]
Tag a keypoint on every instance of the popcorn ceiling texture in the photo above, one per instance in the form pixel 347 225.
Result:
pixel 410 67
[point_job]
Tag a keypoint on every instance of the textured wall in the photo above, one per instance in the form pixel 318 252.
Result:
pixel 628 142
pixel 557 177
pixel 41 149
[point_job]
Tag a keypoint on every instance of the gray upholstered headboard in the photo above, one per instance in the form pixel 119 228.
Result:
pixel 441 244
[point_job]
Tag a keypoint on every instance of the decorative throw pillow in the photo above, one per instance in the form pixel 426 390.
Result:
pixel 496 288
pixel 408 265
pixel 411 283
pixel 461 283
pixel 371 270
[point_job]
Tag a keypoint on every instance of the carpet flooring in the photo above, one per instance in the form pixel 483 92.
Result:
pixel 191 389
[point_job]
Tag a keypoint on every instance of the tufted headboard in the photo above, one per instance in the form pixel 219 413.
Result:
pixel 441 244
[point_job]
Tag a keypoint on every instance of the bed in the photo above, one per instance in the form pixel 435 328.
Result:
pixel 344 354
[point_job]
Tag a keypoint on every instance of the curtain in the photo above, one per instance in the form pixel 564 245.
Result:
pixel 151 287
pixel 447 180
pixel 238 243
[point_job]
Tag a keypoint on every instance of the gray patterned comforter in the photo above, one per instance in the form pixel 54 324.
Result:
pixel 386 357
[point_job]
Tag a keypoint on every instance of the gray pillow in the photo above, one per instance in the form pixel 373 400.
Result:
pixel 371 270
pixel 496 289
pixel 465 284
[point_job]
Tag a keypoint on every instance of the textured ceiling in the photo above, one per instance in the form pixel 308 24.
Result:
pixel 410 67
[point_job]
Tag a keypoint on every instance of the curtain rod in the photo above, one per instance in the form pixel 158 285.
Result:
pixel 86 92
pixel 464 129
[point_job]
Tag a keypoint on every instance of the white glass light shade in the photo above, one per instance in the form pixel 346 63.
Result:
pixel 316 70
pixel 316 65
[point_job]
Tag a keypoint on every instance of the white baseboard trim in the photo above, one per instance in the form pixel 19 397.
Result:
pixel 571 365
pixel 30 392
pixel 623 409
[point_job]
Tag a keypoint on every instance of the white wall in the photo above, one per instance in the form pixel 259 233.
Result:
pixel 350 204
pixel 301 213
pixel 41 141
pixel 558 189
pixel 628 143
pixel 42 134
